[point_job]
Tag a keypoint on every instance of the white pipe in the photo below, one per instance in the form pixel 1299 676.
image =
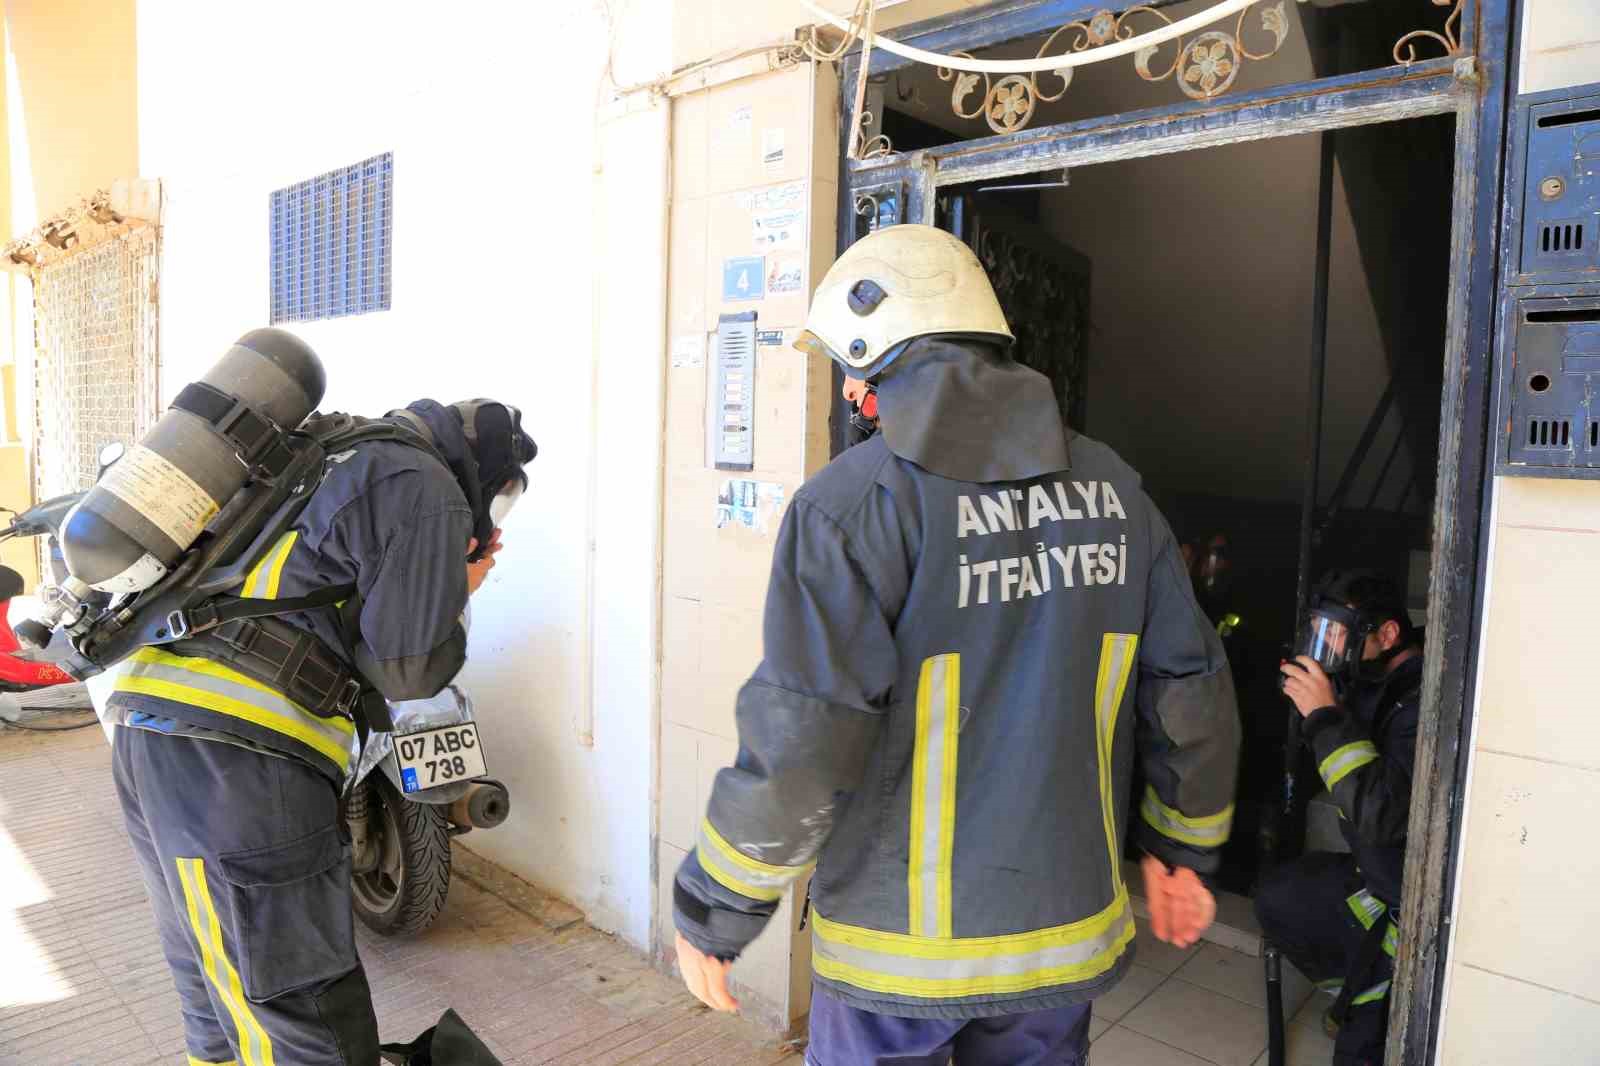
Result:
pixel 1043 63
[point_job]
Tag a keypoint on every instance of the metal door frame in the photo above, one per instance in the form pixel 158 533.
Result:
pixel 1474 88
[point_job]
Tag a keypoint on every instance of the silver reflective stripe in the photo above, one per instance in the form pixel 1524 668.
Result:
pixel 916 966
pixel 933 797
pixel 1210 831
pixel 738 872
pixel 202 683
pixel 1111 685
pixel 1371 995
pixel 1365 906
pixel 1345 760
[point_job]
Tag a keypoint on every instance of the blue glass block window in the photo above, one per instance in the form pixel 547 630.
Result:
pixel 331 243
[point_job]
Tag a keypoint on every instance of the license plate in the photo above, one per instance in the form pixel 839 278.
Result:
pixel 439 757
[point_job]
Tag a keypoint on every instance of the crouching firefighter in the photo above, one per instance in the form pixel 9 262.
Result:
pixel 234 741
pixel 976 621
pixel 1359 692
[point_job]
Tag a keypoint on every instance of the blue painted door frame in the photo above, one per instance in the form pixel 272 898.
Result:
pixel 1475 88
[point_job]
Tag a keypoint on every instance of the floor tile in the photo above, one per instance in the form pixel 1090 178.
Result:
pixel 1241 977
pixel 1202 1022
pixel 1097 1028
pixel 1303 1045
pixel 1158 956
pixel 1138 983
pixel 498 952
pixel 1123 1047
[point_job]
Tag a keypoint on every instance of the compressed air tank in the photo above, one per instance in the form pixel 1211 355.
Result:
pixel 144 513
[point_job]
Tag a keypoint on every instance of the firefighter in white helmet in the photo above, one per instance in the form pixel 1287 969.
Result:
pixel 976 621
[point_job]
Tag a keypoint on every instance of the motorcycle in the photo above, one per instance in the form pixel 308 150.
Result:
pixel 431 781
pixel 430 784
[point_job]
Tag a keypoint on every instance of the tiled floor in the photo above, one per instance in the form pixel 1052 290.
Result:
pixel 82 980
pixel 1202 1007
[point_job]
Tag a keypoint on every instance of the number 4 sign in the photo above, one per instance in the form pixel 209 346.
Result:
pixel 744 278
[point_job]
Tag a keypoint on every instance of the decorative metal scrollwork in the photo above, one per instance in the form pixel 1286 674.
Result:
pixel 1203 68
pixel 1405 49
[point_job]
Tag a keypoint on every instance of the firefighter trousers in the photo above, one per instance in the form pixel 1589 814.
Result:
pixel 249 876
pixel 842 1035
pixel 1318 911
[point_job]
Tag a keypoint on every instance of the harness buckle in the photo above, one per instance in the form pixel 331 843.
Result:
pixel 184 624
pixel 349 699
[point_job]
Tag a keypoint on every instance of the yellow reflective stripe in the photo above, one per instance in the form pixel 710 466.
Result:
pixel 1209 831
pixel 933 797
pixel 327 736
pixel 254 1043
pixel 1365 906
pixel 1371 995
pixel 1344 760
pixel 738 872
pixel 1110 686
pixel 1391 940
pixel 262 582
pixel 940 968
pixel 202 1062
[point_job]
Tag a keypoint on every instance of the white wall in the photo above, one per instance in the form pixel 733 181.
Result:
pixel 489 112
pixel 1560 44
pixel 1522 954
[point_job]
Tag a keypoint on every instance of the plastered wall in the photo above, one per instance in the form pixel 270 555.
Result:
pixel 742 154
pixel 1524 956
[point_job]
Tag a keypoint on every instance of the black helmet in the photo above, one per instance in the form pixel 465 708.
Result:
pixel 496 451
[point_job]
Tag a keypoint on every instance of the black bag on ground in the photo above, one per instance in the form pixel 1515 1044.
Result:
pixel 450 1043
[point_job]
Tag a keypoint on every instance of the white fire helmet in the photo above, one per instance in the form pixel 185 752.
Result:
pixel 894 285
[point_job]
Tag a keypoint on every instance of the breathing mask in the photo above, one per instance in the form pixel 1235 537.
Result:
pixel 502 504
pixel 1334 634
pixel 864 415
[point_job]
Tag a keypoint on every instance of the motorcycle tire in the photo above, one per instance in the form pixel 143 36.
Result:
pixel 406 890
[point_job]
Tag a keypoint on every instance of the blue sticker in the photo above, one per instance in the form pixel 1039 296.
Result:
pixel 744 278
pixel 769 338
pixel 408 780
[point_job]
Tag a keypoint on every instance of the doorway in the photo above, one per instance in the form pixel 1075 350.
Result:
pixel 1430 498
pixel 1172 301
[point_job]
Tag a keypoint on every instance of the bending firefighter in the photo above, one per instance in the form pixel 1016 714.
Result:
pixel 976 621
pixel 1359 693
pixel 230 784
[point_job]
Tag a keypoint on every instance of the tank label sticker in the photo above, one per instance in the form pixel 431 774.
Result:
pixel 170 499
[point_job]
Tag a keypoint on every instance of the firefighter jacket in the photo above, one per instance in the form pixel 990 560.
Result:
pixel 388 518
pixel 975 623
pixel 1364 748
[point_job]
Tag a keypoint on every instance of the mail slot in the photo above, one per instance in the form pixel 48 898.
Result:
pixel 1561 191
pixel 1555 359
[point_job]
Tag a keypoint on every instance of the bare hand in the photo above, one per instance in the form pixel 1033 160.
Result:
pixel 1181 907
pixel 476 572
pixel 705 977
pixel 1306 684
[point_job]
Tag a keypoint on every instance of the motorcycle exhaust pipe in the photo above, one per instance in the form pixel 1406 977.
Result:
pixel 484 805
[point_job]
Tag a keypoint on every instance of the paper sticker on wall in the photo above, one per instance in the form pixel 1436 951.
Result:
pixel 689 350
pixel 780 229
pixel 742 278
pixel 786 274
pixel 769 338
pixel 790 194
pixel 772 148
pixel 755 505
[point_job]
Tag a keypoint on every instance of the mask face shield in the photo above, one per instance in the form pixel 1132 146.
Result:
pixel 502 504
pixel 1332 639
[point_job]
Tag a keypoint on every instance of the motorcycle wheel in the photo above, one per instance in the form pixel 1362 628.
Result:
pixel 405 891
